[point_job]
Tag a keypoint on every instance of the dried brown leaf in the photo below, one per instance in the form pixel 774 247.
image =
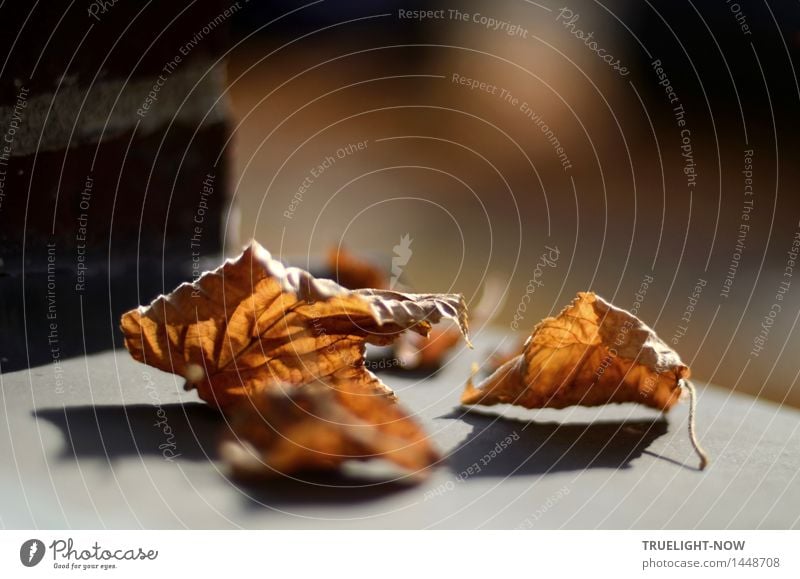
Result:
pixel 320 426
pixel 592 353
pixel 253 323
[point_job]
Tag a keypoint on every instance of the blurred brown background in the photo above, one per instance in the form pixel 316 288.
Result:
pixel 477 184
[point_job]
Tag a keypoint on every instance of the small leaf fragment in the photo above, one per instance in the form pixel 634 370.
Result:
pixel 353 272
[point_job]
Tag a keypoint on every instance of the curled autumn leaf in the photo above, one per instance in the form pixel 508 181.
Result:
pixel 592 353
pixel 253 323
pixel 320 426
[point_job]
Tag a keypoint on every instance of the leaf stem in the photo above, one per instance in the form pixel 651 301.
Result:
pixel 692 431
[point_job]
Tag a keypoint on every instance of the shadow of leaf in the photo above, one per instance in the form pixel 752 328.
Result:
pixel 191 431
pixel 502 447
pixel 182 431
